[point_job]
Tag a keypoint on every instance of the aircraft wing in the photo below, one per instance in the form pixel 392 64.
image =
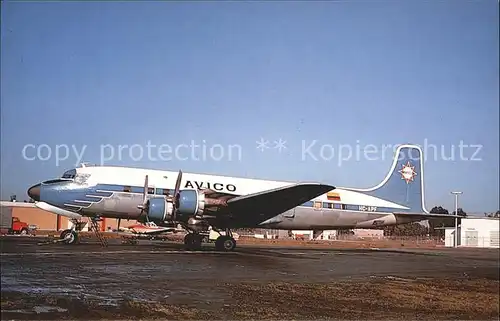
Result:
pixel 273 202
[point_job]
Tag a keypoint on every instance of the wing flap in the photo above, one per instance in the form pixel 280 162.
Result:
pixel 276 201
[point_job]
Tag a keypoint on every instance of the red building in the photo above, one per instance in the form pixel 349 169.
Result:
pixel 46 221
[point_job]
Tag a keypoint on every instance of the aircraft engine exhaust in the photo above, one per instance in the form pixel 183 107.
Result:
pixel 197 224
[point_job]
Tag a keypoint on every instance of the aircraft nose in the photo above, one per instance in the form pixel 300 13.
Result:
pixel 34 192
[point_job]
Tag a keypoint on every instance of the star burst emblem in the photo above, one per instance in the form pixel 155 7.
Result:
pixel 408 172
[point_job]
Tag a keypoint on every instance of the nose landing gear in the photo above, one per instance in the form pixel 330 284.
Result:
pixel 69 237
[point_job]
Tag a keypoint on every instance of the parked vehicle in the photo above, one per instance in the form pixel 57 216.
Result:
pixel 212 236
pixel 18 227
pixel 13 225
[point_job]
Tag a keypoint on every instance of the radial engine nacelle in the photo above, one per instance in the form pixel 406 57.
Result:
pixel 191 203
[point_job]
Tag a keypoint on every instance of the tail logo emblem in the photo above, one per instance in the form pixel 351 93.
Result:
pixel 408 172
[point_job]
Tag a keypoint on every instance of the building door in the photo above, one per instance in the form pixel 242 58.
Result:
pixel 495 238
pixel 471 238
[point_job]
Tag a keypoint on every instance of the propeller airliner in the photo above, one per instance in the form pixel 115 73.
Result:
pixel 199 202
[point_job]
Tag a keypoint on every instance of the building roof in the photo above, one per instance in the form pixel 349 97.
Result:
pixel 481 218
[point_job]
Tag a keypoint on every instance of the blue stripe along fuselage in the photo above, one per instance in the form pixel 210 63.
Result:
pixel 74 197
pixel 352 207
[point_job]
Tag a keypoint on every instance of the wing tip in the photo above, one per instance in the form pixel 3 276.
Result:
pixel 16 204
pixel 320 185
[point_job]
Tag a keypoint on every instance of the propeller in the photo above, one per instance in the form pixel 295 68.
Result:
pixel 144 205
pixel 174 199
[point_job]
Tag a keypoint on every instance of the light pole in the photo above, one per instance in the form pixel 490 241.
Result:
pixel 456 216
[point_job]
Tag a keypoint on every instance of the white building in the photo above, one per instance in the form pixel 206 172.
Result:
pixel 315 235
pixel 475 232
pixel 480 232
pixel 303 234
pixel 368 233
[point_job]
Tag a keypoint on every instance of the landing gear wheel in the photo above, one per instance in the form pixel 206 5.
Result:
pixel 225 243
pixel 192 242
pixel 69 236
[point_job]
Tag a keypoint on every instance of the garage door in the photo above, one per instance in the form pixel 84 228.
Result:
pixel 471 238
pixel 495 238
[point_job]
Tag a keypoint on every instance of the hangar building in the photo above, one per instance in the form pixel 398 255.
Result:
pixel 475 232
pixel 46 221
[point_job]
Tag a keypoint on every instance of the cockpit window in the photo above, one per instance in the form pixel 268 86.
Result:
pixel 69 174
pixel 57 180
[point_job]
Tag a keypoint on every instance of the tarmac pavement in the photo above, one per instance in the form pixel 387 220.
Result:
pixel 161 280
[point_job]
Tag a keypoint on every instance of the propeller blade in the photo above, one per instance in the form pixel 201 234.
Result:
pixel 144 195
pixel 175 201
pixel 178 183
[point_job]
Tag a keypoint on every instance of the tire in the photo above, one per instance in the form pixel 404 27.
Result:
pixel 225 243
pixel 70 236
pixel 192 242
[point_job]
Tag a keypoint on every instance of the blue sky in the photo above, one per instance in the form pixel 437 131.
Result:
pixel 338 73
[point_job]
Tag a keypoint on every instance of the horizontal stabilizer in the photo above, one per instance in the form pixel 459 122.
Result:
pixel 279 200
pixel 16 204
pixel 427 215
pixel 43 206
pixel 56 210
pixel 157 232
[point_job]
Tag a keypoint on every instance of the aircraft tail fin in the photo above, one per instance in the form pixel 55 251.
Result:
pixel 404 184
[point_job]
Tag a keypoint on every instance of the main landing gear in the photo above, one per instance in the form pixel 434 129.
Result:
pixel 224 243
pixel 193 241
